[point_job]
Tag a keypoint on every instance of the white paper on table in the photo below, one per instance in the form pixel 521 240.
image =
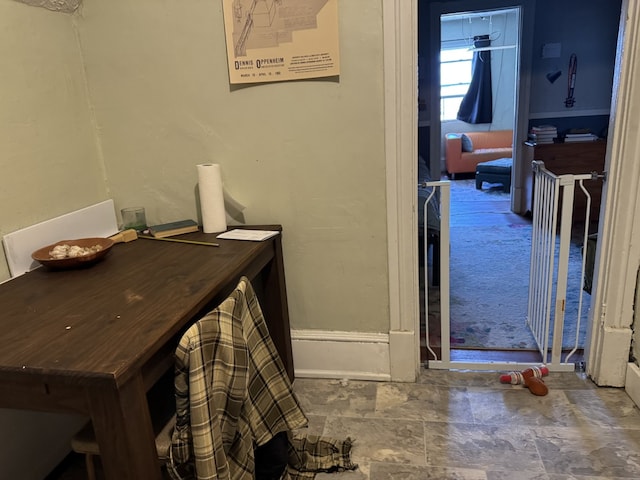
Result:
pixel 252 235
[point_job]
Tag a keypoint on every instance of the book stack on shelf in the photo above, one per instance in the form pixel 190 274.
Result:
pixel 580 137
pixel 543 134
pixel 173 228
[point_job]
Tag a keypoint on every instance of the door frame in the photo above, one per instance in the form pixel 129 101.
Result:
pixel 609 336
pixel 618 251
pixel 400 31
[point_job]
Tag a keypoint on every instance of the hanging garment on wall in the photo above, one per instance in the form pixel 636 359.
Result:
pixel 573 71
pixel 476 106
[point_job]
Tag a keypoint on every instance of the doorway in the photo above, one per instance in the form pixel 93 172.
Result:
pixel 477 215
pixel 614 275
pixel 481 49
pixel 460 15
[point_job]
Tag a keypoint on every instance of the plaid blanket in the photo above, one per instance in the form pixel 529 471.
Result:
pixel 311 454
pixel 232 393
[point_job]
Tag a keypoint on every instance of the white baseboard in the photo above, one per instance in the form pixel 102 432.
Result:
pixel 632 383
pixel 351 355
pixel 404 355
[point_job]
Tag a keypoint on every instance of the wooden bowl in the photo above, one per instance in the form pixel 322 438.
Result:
pixel 43 254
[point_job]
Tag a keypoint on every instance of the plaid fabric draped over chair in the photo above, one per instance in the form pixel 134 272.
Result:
pixel 233 394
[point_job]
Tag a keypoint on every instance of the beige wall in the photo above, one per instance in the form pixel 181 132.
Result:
pixel 308 154
pixel 48 155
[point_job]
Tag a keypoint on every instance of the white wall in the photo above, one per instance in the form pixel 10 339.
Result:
pixel 306 154
pixel 50 165
pixel 49 158
pixel 122 99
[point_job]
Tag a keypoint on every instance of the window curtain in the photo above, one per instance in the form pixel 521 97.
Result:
pixel 476 105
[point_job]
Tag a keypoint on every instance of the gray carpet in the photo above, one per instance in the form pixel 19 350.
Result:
pixel 490 262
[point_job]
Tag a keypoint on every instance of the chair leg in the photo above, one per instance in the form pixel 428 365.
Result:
pixel 91 469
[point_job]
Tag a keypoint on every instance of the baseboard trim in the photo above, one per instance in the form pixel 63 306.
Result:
pixel 632 383
pixel 341 355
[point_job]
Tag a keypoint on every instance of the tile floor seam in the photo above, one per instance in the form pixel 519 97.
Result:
pixel 595 445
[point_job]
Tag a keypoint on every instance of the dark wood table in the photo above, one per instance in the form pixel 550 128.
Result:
pixel 93 341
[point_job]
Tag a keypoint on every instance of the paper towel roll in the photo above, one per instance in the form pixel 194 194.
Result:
pixel 214 218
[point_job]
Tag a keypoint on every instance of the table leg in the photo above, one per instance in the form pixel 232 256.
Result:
pixel 123 429
pixel 276 307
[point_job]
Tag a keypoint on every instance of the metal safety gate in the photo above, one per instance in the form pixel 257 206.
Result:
pixel 441 193
pixel 553 205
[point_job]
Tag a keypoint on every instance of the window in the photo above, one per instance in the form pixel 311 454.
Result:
pixel 455 77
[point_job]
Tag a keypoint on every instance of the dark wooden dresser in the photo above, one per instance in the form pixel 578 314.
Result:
pixel 575 158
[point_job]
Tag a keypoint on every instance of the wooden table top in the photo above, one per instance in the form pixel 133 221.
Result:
pixel 101 324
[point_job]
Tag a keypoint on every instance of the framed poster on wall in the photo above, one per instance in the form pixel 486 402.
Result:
pixel 279 40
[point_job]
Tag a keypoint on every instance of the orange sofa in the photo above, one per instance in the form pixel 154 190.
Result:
pixel 485 146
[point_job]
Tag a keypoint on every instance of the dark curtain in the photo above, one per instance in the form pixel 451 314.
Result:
pixel 476 106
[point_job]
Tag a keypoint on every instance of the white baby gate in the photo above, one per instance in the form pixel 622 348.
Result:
pixel 442 361
pixel 444 197
pixel 548 278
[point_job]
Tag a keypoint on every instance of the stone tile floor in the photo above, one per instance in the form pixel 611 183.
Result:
pixel 468 426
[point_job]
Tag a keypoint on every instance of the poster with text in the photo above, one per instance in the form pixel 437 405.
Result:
pixel 278 40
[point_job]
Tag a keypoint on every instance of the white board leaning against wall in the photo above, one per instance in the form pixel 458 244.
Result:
pixel 97 220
